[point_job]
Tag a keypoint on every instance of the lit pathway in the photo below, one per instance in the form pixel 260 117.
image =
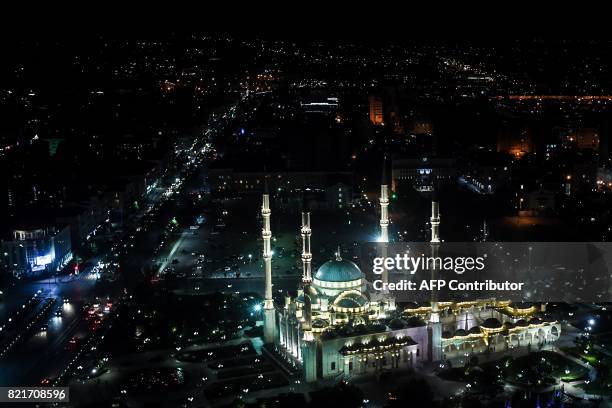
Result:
pixel 175 247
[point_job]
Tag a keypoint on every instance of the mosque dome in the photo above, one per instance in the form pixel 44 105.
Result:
pixel 492 323
pixel 338 270
pixel 535 320
pixel 351 301
pixel 521 323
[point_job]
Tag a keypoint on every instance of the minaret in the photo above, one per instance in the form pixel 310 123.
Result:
pixel 384 205
pixel 309 345
pixel 485 231
pixel 435 217
pixel 266 234
pixel 434 326
pixel 306 274
pixel 384 221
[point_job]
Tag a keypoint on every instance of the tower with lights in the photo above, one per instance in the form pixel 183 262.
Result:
pixel 434 326
pixel 308 345
pixel 266 234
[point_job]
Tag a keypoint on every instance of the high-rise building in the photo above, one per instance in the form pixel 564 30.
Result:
pixel 36 250
pixel 376 110
pixel 516 142
pixel 588 138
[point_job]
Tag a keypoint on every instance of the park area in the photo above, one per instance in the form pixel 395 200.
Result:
pixel 538 369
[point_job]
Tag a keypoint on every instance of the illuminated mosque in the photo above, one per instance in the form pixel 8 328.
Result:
pixel 338 326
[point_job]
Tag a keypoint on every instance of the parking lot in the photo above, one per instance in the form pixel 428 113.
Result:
pixel 228 243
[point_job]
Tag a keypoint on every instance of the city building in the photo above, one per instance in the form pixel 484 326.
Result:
pixel 541 201
pixel 325 105
pixel 422 173
pixel 376 110
pixel 421 127
pixel 515 142
pixel 486 172
pixel 583 173
pixel 604 178
pixel 338 195
pixel 86 219
pixel 581 138
pixel 333 188
pixel 35 251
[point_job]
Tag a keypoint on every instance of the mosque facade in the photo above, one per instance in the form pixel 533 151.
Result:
pixel 338 326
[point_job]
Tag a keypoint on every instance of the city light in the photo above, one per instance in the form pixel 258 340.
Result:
pixel 192 219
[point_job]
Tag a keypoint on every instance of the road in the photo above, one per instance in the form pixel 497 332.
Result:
pixel 45 354
pixel 41 354
pixel 281 285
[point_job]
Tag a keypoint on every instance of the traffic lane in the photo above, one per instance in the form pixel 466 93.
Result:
pixel 201 286
pixel 20 321
pixel 75 287
pixel 62 352
pixel 14 298
pixel 58 352
pixel 22 365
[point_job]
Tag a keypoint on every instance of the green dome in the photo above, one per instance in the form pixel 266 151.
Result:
pixel 338 270
pixel 492 323
pixel 351 301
